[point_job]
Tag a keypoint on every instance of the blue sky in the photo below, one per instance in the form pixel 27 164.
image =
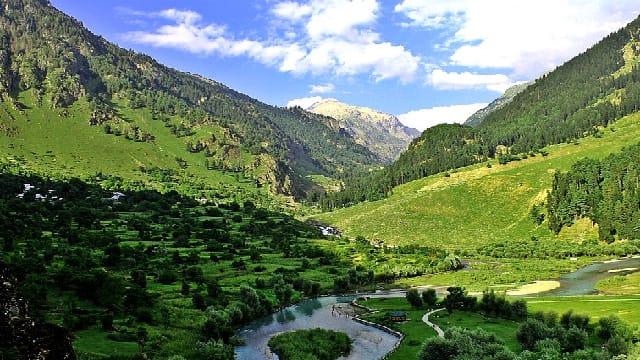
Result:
pixel 425 61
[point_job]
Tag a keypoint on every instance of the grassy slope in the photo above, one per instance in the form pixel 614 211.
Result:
pixel 477 205
pixel 51 143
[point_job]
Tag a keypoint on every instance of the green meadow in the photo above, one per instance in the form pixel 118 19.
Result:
pixel 627 307
pixel 417 332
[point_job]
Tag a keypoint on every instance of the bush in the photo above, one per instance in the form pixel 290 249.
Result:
pixel 413 297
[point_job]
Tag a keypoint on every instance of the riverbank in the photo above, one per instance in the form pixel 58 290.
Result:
pixel 535 287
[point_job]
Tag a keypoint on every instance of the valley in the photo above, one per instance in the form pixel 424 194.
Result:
pixel 150 213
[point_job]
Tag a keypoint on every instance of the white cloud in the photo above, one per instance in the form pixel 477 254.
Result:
pixel 319 37
pixel 340 17
pixel 426 118
pixel 322 89
pixel 528 38
pixel 290 10
pixel 441 79
pixel 304 103
pixel 433 14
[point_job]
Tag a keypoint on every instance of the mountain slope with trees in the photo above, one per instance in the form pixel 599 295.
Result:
pixel 476 118
pixel 579 98
pixel 51 66
pixel 607 192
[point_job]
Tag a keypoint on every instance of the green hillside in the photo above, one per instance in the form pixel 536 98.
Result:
pixel 94 107
pixel 484 213
pixel 577 99
pixel 478 205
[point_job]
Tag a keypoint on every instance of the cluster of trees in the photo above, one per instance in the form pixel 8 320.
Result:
pixel 459 343
pixel 491 304
pixel 541 335
pixel 568 337
pixel 382 263
pixel 541 249
pixel 316 343
pixel 418 299
pixel 574 100
pixel 605 191
pixel 86 260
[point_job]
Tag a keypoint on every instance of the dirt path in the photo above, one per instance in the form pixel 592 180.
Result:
pixel 435 327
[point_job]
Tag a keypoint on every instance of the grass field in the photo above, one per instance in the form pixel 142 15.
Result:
pixel 620 285
pixel 626 307
pixel 95 341
pixel 416 331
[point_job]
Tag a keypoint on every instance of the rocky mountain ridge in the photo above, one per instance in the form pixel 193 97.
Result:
pixel 381 133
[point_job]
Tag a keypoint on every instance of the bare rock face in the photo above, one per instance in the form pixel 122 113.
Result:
pixel 383 134
pixel 22 337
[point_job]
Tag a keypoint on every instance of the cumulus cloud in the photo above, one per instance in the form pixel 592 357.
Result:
pixel 426 118
pixel 322 89
pixel 526 38
pixel 304 103
pixel 441 79
pixel 291 10
pixel 320 37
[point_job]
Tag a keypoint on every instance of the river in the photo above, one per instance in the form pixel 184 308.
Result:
pixel 583 280
pixel 370 343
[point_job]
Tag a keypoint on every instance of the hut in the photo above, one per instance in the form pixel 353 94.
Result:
pixel 398 316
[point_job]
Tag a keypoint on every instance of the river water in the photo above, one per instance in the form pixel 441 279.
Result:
pixel 370 343
pixel 583 280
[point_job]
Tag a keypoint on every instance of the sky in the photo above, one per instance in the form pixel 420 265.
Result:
pixel 425 61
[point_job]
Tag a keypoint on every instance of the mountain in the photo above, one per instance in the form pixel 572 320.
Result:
pixel 381 133
pixel 500 211
pixel 74 104
pixel 476 118
pixel 582 97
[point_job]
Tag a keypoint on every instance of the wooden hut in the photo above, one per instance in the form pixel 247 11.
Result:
pixel 398 316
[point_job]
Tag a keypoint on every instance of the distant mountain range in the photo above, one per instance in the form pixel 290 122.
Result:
pixel 381 133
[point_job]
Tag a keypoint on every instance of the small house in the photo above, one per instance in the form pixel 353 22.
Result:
pixel 398 316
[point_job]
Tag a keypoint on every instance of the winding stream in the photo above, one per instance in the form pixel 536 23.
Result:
pixel 583 280
pixel 370 343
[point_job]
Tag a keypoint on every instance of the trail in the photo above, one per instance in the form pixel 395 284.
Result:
pixel 435 327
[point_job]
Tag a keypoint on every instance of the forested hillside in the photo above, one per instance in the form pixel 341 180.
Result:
pixel 504 99
pixel 605 191
pixel 579 98
pixel 51 65
pixel 144 272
